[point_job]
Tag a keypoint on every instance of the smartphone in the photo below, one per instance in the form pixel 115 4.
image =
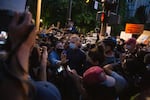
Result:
pixel 7 11
pixel 3 37
pixel 60 69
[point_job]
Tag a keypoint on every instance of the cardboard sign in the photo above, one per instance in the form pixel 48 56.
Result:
pixel 134 28
pixel 125 36
pixel 108 30
pixel 144 38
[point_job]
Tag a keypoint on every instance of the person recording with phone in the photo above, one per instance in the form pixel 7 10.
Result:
pixel 38 63
pixel 15 68
pixel 57 56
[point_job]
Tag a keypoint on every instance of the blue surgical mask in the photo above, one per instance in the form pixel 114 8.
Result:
pixel 72 45
pixel 128 46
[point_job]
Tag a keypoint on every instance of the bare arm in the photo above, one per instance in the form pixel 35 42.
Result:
pixel 43 67
pixel 17 33
pixel 78 81
pixel 20 57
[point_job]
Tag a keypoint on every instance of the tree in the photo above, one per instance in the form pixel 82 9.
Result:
pixel 53 11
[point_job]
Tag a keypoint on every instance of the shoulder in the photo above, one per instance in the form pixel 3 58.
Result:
pixel 53 53
pixel 82 52
pixel 46 91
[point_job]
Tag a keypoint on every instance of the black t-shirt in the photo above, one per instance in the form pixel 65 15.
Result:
pixel 77 60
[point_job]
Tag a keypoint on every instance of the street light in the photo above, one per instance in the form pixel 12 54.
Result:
pixel 87 1
pixel 70 10
pixel 102 1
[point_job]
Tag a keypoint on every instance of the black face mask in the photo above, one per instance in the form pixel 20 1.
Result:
pixel 59 50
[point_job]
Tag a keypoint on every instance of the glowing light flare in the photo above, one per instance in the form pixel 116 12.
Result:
pixel 87 1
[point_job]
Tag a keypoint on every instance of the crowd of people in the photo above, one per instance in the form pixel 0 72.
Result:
pixel 44 67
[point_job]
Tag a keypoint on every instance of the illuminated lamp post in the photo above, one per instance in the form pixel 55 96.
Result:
pixel 38 14
pixel 70 10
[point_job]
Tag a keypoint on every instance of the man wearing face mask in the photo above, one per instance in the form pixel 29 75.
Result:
pixel 56 57
pixel 76 57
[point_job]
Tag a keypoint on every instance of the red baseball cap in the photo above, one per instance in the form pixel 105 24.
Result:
pixel 96 75
pixel 131 41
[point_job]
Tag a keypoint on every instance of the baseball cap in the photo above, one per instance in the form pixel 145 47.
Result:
pixel 13 5
pixel 110 41
pixel 96 75
pixel 46 91
pixel 131 41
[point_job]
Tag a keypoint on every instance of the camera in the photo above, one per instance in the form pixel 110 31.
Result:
pixel 8 9
pixel 7 12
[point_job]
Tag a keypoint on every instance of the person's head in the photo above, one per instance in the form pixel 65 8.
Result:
pixel 59 46
pixel 70 23
pixel 34 62
pixel 98 85
pixel 130 44
pixel 74 42
pixel 66 45
pixel 67 86
pixel 95 56
pixel 109 44
pixel 120 41
pixel 34 59
pixel 46 91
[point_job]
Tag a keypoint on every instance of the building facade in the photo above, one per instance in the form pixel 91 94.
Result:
pixel 133 5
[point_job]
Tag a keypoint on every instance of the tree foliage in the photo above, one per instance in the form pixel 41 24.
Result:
pixel 57 10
